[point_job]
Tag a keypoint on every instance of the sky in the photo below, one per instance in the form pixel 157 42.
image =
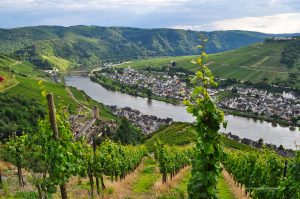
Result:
pixel 269 16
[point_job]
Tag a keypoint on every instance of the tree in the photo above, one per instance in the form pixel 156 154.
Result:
pixel 173 63
pixel 52 146
pixel 234 90
pixel 208 151
pixel 127 134
pixel 260 142
pixel 265 80
pixel 149 93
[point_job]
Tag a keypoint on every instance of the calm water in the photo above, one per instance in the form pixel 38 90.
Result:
pixel 243 127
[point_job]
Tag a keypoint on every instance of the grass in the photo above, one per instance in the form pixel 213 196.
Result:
pixel 180 190
pixel 224 189
pixel 254 62
pixel 147 177
pixel 25 68
pixel 232 144
pixel 104 113
pixel 9 79
pixel 29 88
pixel 175 134
pixel 5 62
pixel 183 134
pixel 60 63
pixel 8 82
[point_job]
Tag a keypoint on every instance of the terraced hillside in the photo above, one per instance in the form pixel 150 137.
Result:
pixel 183 134
pixel 21 100
pixel 7 79
pixel 257 62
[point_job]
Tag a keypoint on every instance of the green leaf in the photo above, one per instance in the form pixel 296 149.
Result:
pixel 225 124
pixel 209 105
pixel 208 148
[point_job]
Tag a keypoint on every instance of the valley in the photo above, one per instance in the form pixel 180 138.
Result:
pixel 241 126
pixel 141 142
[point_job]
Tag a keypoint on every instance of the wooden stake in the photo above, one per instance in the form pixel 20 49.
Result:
pixel 1 182
pixel 51 107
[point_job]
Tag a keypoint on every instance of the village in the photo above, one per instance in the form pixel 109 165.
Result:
pixel 161 84
pixel 147 123
pixel 89 124
pixel 263 103
pixel 285 106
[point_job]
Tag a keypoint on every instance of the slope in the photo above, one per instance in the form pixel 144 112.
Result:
pixel 254 63
pixel 182 134
pixel 48 46
pixel 21 100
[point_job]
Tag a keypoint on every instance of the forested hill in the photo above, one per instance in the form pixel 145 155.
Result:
pixel 55 45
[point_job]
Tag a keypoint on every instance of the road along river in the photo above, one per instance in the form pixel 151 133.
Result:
pixel 240 126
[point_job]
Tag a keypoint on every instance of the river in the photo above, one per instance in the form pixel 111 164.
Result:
pixel 241 126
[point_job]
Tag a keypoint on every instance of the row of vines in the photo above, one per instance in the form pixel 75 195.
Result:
pixel 171 159
pixel 53 156
pixel 109 159
pixel 265 174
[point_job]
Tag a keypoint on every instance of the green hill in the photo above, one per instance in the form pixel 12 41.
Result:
pixel 48 46
pixel 7 80
pixel 21 101
pixel 183 134
pixel 254 62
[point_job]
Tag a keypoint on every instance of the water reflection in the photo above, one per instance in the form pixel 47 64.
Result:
pixel 243 127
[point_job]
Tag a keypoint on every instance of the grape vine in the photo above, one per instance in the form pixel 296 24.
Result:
pixel 116 160
pixel 172 159
pixel 208 151
pixel 262 174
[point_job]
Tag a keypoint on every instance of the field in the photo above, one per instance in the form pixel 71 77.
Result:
pixel 254 63
pixel 60 63
pixel 183 134
pixel 24 80
pixel 8 79
pixel 145 181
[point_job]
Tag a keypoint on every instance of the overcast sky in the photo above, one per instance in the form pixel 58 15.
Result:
pixel 270 16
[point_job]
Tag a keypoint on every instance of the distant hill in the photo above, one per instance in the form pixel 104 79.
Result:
pixel 48 46
pixel 272 61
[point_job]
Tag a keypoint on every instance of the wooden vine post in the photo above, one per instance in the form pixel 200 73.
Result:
pixel 97 176
pixel 1 182
pixel 53 123
pixel 90 175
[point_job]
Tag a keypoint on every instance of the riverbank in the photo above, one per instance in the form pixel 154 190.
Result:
pixel 241 126
pixel 283 123
pixel 114 85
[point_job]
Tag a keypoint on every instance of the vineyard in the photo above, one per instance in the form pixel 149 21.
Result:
pixel 180 161
pixel 111 170
pixel 172 159
pixel 264 174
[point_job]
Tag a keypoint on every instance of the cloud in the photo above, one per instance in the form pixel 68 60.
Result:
pixel 281 23
pixel 187 14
